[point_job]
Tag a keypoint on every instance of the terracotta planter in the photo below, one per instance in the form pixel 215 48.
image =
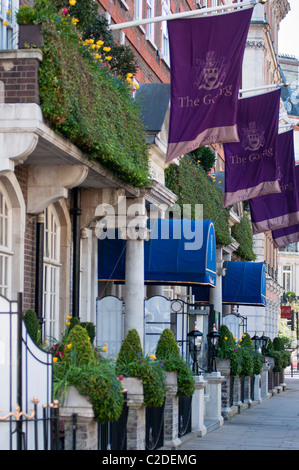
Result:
pixel 30 35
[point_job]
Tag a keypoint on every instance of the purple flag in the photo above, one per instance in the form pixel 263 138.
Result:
pixel 251 168
pixel 274 211
pixel 206 57
pixel 290 234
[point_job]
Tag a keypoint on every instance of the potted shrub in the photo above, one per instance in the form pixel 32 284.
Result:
pixel 131 363
pixel 94 376
pixel 168 353
pixel 30 34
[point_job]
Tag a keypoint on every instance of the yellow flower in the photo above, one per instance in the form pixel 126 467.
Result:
pixel 108 58
pixel 137 87
pixel 100 42
pixel 68 323
pixel 105 348
pixel 75 21
pixel 129 75
pixel 239 345
pixel 105 344
pixel 106 49
pixel 72 2
pixel 152 356
pixel 68 317
pixel 69 346
pixel 55 359
pixel 5 23
pixel 97 56
pixel 8 12
pixel 225 337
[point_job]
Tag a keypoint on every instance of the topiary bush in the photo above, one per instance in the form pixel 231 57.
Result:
pixel 167 345
pixel 168 353
pixel 132 363
pixel 257 363
pixel 226 345
pixel 32 325
pixel 130 350
pixel 79 345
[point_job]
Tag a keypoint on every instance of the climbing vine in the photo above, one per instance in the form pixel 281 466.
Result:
pixel 192 186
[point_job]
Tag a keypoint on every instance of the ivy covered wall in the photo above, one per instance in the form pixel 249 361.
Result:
pixel 192 186
pixel 86 87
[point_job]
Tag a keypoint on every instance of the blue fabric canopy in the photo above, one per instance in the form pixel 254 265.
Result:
pixel 171 255
pixel 244 283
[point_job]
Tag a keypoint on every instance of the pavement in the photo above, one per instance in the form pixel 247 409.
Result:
pixel 272 425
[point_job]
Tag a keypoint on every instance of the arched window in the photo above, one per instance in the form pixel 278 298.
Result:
pixel 5 243
pixel 51 273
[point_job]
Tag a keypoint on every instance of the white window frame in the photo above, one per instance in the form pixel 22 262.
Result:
pixel 51 274
pixel 8 34
pixel 287 278
pixel 165 10
pixel 6 252
pixel 150 13
pixel 138 9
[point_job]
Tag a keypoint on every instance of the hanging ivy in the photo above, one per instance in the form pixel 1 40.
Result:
pixel 242 233
pixel 192 186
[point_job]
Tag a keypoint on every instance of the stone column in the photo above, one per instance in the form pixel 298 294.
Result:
pixel 171 412
pixel 257 389
pixel 136 414
pixel 135 232
pixel 223 366
pixel 198 406
pixel 264 381
pixel 216 292
pixel 277 385
pixel 213 405
pixel 247 390
pixel 78 406
pixel 282 379
pixel 237 393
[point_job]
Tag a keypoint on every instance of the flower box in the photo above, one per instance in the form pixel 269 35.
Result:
pixel 30 35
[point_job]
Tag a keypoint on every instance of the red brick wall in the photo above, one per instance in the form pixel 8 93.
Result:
pixel 151 67
pixel 20 78
pixel 21 172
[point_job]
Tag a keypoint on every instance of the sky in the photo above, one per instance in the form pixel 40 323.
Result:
pixel 288 37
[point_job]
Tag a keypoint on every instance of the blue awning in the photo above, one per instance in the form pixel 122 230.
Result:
pixel 170 256
pixel 244 283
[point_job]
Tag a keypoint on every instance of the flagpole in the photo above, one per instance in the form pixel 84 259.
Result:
pixel 184 14
pixel 264 87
